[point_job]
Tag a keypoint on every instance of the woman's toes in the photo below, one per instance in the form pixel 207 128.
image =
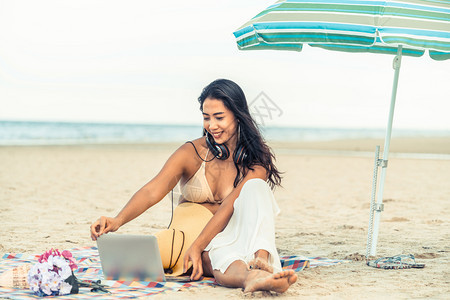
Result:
pixel 292 279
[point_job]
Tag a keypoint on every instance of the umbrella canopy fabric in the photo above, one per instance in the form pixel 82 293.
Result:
pixel 352 26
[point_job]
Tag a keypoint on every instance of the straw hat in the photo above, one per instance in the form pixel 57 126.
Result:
pixel 188 221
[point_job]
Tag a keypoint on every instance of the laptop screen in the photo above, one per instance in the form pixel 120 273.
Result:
pixel 130 257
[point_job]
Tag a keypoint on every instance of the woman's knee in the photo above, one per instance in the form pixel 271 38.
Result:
pixel 256 192
pixel 256 183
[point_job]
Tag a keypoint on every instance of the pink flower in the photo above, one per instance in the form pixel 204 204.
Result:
pixel 68 256
pixel 55 252
pixel 45 255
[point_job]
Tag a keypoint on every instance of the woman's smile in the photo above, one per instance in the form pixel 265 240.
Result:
pixel 217 135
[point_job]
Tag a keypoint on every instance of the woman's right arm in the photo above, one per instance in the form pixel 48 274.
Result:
pixel 150 194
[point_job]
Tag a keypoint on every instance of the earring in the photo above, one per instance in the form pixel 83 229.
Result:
pixel 240 154
pixel 239 133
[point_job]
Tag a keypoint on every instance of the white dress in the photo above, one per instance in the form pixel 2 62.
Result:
pixel 251 228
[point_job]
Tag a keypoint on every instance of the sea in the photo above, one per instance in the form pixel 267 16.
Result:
pixel 31 133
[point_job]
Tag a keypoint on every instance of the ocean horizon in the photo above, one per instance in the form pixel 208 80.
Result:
pixel 15 133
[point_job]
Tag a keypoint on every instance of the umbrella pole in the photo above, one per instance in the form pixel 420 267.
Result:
pixel 384 162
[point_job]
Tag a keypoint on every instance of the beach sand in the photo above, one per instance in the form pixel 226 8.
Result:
pixel 49 196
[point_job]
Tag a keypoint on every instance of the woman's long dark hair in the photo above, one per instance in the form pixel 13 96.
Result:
pixel 258 153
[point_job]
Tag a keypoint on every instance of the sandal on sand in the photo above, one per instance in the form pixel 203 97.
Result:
pixel 395 262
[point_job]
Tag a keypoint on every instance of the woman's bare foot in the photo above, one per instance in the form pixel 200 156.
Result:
pixel 259 280
pixel 260 264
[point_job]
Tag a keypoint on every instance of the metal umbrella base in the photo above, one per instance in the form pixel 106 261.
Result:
pixel 373 206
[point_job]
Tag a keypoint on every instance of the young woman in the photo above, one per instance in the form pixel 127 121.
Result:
pixel 224 223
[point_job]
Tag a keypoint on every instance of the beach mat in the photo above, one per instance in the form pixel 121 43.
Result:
pixel 89 269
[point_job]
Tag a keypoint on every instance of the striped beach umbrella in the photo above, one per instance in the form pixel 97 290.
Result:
pixel 352 26
pixel 400 27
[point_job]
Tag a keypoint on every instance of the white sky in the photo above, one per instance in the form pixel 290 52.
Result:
pixel 147 62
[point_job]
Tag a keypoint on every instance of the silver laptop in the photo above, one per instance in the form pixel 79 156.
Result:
pixel 130 257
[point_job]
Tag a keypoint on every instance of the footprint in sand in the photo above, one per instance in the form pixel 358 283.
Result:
pixel 435 221
pixel 345 227
pixel 337 243
pixel 355 257
pixel 426 255
pixel 398 219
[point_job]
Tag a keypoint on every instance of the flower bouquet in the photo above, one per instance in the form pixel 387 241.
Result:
pixel 53 275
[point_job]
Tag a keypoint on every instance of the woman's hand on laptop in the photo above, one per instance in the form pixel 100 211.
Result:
pixel 104 225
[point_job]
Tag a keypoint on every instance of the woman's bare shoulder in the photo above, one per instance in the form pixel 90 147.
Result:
pixel 189 156
pixel 257 171
pixel 201 141
pixel 189 148
pixel 199 144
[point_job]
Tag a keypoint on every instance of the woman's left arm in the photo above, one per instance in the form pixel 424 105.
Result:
pixel 217 223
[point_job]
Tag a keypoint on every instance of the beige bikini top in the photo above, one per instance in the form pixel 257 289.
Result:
pixel 197 189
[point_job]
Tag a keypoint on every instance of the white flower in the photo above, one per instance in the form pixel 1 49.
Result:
pixel 65 271
pixel 34 284
pixel 59 261
pixel 55 281
pixel 65 288
pixel 33 273
pixel 45 285
pixel 45 277
pixel 44 267
pixel 50 260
